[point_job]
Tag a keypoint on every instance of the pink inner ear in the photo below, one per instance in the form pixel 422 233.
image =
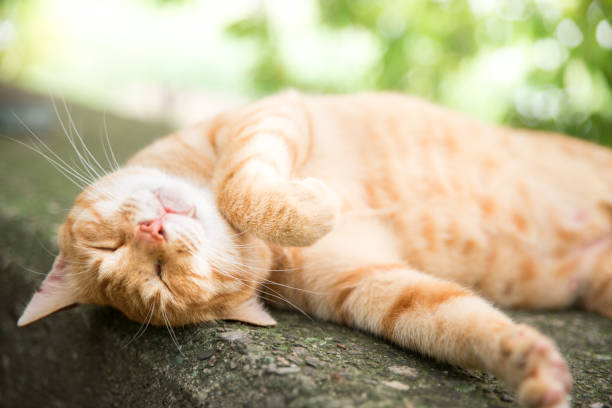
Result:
pixel 54 294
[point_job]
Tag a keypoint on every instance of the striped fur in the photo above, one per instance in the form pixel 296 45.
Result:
pixel 377 211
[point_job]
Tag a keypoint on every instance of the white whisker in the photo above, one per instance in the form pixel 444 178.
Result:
pixel 170 331
pixel 247 268
pixel 109 144
pixel 255 284
pixel 91 157
pixel 73 178
pixel 106 154
pixel 143 327
pixel 56 158
pixel 84 165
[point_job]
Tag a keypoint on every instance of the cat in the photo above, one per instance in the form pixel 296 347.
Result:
pixel 378 211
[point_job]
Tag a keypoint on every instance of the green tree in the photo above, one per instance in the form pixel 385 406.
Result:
pixel 425 45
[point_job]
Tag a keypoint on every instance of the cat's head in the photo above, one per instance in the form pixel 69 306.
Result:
pixel 155 247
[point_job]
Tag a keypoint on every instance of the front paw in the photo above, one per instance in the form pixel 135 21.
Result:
pixel 531 363
pixel 286 213
pixel 307 210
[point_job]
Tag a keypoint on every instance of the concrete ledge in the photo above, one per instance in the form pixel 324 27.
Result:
pixel 85 356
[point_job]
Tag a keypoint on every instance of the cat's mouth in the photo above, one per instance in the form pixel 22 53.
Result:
pixel 171 204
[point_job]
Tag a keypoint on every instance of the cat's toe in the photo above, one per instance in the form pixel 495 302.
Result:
pixel 542 392
pixel 536 368
pixel 315 209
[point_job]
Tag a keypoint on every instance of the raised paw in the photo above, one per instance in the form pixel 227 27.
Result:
pixel 287 213
pixel 309 210
pixel 531 363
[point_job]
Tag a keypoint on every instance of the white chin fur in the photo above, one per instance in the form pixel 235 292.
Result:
pixel 212 234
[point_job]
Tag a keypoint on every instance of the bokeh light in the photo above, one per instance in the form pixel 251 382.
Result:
pixel 538 63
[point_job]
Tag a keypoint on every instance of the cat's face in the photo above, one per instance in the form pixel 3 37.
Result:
pixel 155 247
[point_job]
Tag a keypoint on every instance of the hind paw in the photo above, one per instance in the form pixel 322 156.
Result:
pixel 534 366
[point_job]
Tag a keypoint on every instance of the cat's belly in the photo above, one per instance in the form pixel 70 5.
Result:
pixel 509 223
pixel 512 234
pixel 503 211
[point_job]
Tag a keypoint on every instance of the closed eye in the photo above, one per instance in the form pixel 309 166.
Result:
pixel 107 248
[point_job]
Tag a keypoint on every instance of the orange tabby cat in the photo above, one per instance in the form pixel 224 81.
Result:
pixel 377 211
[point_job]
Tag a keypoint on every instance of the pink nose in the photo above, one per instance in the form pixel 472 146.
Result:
pixel 152 229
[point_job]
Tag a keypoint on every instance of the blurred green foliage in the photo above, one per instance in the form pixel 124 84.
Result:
pixel 544 64
pixel 269 71
pixel 424 43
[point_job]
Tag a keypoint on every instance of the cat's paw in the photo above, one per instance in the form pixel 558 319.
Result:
pixel 309 211
pixel 286 213
pixel 533 365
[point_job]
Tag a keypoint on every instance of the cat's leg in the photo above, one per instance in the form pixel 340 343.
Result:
pixel 260 147
pixel 438 318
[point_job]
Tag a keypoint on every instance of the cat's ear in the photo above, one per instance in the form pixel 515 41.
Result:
pixel 54 294
pixel 251 312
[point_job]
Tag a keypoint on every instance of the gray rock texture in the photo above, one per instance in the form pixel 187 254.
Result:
pixel 94 357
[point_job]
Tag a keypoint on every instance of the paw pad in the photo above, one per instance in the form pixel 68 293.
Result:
pixel 533 365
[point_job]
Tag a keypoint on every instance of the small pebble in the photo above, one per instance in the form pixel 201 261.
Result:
pixel 299 350
pixel 295 359
pixel 404 370
pixel 313 362
pixel 288 370
pixel 396 385
pixel 282 362
pixel 205 355
pixel 235 335
pixel 273 369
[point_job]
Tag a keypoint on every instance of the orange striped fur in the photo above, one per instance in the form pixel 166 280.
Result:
pixel 378 211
